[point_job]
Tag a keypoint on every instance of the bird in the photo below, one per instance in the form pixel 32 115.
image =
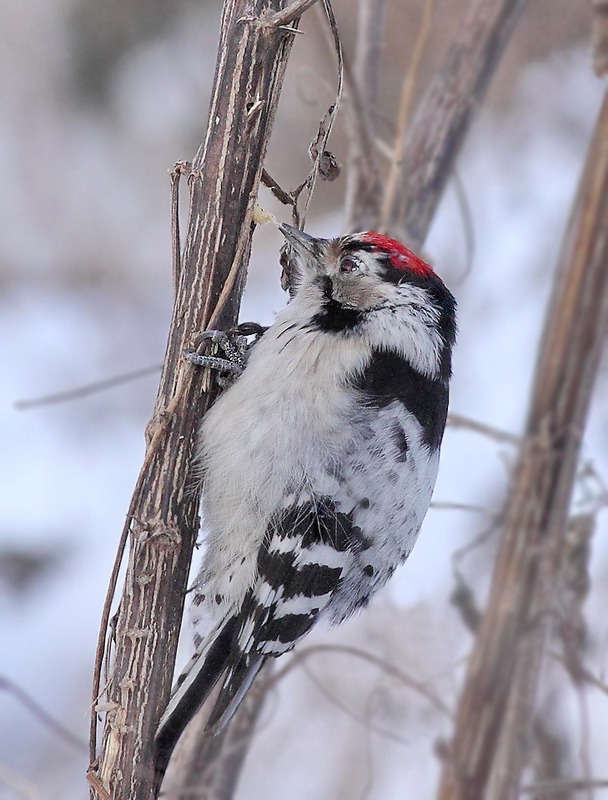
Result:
pixel 318 461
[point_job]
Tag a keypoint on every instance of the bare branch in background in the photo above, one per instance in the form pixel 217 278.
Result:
pixel 561 789
pixel 549 755
pixel 459 421
pixel 599 37
pixel 41 715
pixel 364 181
pixel 89 388
pixel 438 129
pixel 368 49
pixel 364 720
pixel 467 225
pixel 20 786
pixel 549 762
pixel 489 742
pixel 403 116
pixel 210 766
pixel 446 111
pixel 390 669
pixel 571 625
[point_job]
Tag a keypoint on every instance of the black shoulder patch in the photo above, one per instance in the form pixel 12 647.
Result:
pixel 336 318
pixel 389 377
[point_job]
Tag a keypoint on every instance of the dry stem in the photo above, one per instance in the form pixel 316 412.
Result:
pixel 446 111
pixel 162 521
pixel 496 707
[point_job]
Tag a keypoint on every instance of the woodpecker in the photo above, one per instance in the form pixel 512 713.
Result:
pixel 318 462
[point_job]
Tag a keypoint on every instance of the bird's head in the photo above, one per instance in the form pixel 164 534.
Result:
pixel 370 282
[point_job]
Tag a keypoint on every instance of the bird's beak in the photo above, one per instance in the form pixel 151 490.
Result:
pixel 301 242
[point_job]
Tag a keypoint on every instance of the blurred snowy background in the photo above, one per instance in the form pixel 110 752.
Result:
pixel 98 101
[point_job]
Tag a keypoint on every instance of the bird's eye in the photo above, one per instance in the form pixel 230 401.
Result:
pixel 348 265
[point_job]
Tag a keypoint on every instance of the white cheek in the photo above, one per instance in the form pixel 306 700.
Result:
pixel 409 325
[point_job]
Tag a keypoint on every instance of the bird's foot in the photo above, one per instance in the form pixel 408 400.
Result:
pixel 233 344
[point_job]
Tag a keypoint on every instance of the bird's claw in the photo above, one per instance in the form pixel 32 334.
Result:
pixel 212 362
pixel 234 346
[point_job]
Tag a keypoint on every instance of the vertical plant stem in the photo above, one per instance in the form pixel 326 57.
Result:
pixel 162 521
pixel 497 703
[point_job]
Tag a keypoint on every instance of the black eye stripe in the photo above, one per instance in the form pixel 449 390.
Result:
pixel 356 246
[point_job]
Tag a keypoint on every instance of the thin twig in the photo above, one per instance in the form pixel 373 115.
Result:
pixel 289 14
pixel 276 189
pixel 364 720
pixel 327 123
pixel 100 649
pixel 96 785
pixel 227 293
pixel 467 226
pixel 41 715
pixel 588 677
pixel 440 505
pixel 87 389
pixel 386 666
pixel 180 168
pixel 460 421
pixel 564 786
pixel 18 784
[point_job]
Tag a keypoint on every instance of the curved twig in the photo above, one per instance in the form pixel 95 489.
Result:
pixel 386 666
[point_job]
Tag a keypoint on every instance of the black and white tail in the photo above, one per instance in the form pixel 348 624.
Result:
pixel 200 676
pixel 299 567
